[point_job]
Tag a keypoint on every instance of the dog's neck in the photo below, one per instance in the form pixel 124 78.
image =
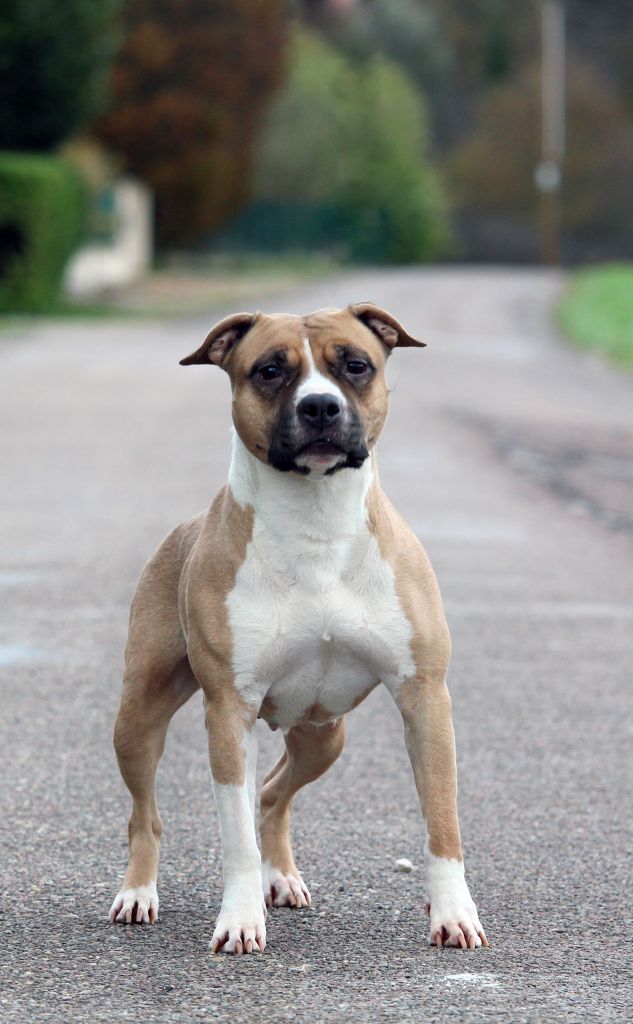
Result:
pixel 320 508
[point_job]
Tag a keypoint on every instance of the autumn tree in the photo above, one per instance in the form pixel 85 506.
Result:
pixel 190 88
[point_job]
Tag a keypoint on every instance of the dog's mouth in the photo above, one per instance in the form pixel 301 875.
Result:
pixel 322 448
pixel 321 452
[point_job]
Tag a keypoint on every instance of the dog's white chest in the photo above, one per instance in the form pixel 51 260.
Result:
pixel 315 626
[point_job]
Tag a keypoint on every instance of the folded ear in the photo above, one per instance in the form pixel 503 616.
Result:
pixel 221 339
pixel 384 326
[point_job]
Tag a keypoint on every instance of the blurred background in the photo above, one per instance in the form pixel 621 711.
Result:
pixel 193 138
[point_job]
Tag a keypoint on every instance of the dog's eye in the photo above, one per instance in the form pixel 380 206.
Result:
pixel 270 372
pixel 356 366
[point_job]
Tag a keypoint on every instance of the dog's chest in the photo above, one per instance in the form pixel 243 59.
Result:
pixel 315 626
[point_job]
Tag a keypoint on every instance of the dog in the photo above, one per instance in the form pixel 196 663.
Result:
pixel 290 599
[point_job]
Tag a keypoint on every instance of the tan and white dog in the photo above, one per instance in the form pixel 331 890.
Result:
pixel 290 599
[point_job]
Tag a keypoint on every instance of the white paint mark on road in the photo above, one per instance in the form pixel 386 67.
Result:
pixel 542 609
pixel 483 980
pixel 471 532
pixel 13 577
pixel 13 654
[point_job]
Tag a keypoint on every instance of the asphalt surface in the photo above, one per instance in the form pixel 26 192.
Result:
pixel 510 455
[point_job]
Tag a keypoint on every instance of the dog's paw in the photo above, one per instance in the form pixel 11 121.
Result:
pixel 239 933
pixel 137 905
pixel 454 919
pixel 281 890
pixel 457 926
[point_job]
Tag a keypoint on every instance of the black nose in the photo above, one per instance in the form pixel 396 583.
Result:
pixel 320 411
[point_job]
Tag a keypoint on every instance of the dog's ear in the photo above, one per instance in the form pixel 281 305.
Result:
pixel 221 339
pixel 385 326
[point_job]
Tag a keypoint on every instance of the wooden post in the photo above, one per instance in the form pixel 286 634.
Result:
pixel 548 174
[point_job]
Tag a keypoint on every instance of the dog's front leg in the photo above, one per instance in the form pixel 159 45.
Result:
pixel 240 927
pixel 425 706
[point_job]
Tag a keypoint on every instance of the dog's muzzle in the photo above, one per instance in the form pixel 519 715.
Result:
pixel 320 435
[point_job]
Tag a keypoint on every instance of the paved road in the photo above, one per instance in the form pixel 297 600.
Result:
pixel 511 457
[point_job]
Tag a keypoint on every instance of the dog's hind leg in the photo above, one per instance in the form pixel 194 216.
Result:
pixel 310 750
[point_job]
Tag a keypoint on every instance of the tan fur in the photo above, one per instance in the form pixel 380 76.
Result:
pixel 254 414
pixel 195 568
pixel 310 750
pixel 210 576
pixel 424 701
pixel 157 681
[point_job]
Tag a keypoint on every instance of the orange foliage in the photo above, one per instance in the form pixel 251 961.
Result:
pixel 190 88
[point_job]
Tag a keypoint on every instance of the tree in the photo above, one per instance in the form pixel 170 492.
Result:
pixel 54 59
pixel 353 135
pixel 191 85
pixel 407 31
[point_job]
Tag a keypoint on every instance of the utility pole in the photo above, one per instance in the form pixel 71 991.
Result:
pixel 548 174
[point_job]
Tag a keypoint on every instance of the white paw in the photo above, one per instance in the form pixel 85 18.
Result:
pixel 284 890
pixel 239 932
pixel 135 906
pixel 454 919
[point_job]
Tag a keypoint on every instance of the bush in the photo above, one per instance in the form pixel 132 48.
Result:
pixel 42 204
pixel 353 135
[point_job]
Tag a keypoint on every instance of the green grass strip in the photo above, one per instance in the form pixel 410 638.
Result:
pixel 596 311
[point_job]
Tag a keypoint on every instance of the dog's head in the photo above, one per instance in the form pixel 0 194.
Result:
pixel 309 393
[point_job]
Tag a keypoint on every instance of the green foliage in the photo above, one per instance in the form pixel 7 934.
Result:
pixel 190 87
pixel 54 58
pixel 42 204
pixel 597 310
pixel 352 135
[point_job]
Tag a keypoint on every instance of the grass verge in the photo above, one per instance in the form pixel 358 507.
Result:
pixel 596 311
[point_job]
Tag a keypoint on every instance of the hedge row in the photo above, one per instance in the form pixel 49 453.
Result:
pixel 42 210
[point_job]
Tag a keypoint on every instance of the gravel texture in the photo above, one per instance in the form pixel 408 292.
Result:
pixel 106 444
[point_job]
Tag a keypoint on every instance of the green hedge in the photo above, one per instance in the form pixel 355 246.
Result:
pixel 42 211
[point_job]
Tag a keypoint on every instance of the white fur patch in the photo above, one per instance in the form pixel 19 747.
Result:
pixel 451 906
pixel 316 383
pixel 314 613
pixel 241 923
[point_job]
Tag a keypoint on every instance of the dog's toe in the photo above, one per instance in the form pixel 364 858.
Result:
pixel 460 931
pixel 284 890
pixel 137 905
pixel 232 937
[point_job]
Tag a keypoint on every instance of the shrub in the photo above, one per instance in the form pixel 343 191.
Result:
pixel 42 204
pixel 353 135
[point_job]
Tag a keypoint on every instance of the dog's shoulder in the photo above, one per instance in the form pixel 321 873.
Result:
pixel 218 551
pixel 414 578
